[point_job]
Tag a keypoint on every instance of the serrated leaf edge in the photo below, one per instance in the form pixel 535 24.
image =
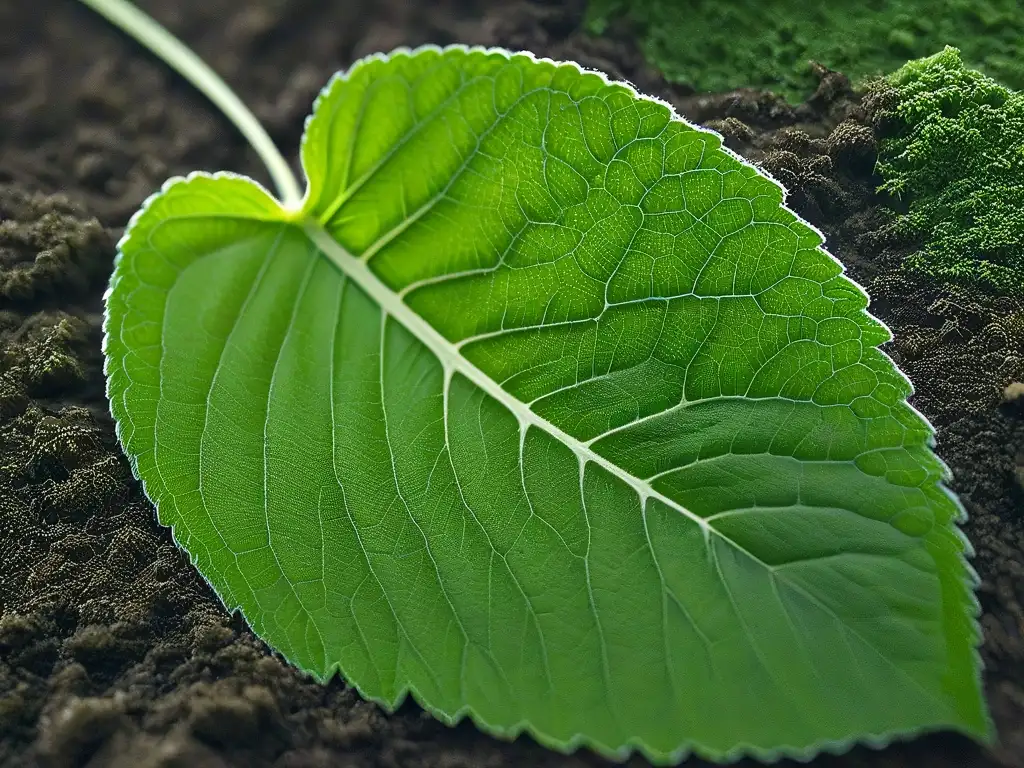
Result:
pixel 800 754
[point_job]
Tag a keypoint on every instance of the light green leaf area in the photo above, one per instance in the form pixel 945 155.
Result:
pixel 545 409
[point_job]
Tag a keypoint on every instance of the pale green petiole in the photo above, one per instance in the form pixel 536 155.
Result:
pixel 177 55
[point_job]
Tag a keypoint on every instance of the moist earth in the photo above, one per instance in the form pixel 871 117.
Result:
pixel 113 650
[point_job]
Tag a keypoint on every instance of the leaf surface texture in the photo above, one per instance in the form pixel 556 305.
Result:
pixel 546 409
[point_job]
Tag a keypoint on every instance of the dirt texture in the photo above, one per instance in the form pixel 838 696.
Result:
pixel 113 650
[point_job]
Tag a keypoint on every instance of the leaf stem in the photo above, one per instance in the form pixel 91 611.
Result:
pixel 148 32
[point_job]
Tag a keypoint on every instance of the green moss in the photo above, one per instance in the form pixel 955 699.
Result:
pixel 718 46
pixel 953 148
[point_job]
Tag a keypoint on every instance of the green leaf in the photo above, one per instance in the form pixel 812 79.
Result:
pixel 546 409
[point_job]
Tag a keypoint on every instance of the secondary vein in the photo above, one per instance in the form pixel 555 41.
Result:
pixel 452 360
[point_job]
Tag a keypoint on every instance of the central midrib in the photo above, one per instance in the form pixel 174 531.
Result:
pixel 453 362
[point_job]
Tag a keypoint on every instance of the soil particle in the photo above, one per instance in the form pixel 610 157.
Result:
pixel 1014 392
pixel 80 728
pixel 113 651
pixel 45 249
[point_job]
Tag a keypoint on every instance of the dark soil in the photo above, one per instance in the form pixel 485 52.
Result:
pixel 113 650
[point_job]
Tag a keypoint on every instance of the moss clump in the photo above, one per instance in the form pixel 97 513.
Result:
pixel 717 46
pixel 953 148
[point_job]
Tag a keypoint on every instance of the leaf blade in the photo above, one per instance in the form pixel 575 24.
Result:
pixel 462 425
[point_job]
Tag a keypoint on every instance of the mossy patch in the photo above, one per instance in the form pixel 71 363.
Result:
pixel 953 150
pixel 715 46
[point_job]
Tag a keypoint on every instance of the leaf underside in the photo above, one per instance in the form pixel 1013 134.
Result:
pixel 545 409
